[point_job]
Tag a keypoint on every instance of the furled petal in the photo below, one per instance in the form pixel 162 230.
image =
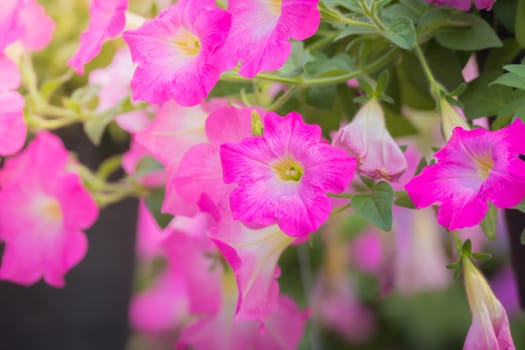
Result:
pixel 107 20
pixel 253 256
pixel 368 139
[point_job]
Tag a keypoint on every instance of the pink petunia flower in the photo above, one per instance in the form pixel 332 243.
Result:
pixel 368 139
pixel 464 5
pixel 473 168
pixel 179 53
pixel 107 20
pixel 13 129
pixel 261 30
pixel 17 22
pixel 490 324
pixel 283 177
pixel 282 329
pixel 43 211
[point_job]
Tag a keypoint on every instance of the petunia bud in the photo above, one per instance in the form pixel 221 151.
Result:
pixel 368 139
pixel 490 324
pixel 450 118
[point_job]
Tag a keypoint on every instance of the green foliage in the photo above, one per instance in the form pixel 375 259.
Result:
pixel 376 207
pixel 489 223
pixel 154 203
pixel 477 36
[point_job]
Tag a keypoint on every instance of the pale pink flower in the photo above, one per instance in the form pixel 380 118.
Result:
pixel 473 168
pixel 335 304
pixel 283 176
pixel 106 20
pixel 200 170
pixel 43 210
pixel 178 53
pixel 367 252
pixel 282 329
pixel 17 22
pixel 420 260
pixel 253 255
pixel 368 139
pixel 261 30
pixel 464 4
pixel 490 324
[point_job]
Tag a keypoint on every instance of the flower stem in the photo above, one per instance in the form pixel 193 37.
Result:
pixel 436 89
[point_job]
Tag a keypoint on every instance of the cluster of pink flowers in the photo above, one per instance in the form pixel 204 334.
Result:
pixel 17 18
pixel 242 183
pixel 43 210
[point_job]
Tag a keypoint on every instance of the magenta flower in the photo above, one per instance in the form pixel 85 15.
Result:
pixel 473 168
pixel 283 177
pixel 43 210
pixel 13 128
pixel 368 139
pixel 17 22
pixel 179 52
pixel 464 5
pixel 261 30
pixel 490 324
pixel 106 20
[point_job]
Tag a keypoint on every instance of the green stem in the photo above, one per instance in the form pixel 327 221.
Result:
pixel 279 102
pixel 435 87
pixel 341 209
pixel 339 195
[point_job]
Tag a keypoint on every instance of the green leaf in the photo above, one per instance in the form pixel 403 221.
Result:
pixel 401 31
pixel 321 66
pixel 482 99
pixel 482 256
pixel 295 63
pixel 376 207
pixel 519 29
pixel 154 203
pixel 501 56
pixel 49 86
pixel 489 222
pixel 515 78
pixel 477 36
pixel 437 18
pixel 95 126
pixel 403 200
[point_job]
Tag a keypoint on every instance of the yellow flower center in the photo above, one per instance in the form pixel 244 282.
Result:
pixel 187 43
pixel 275 6
pixel 484 166
pixel 52 210
pixel 288 169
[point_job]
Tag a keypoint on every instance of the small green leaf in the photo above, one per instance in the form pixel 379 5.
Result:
pixel 489 223
pixel 49 86
pixel 477 36
pixel 482 99
pixel 519 28
pixel 95 126
pixel 522 237
pixel 482 256
pixel 154 203
pixel 466 249
pixel 401 32
pixel 376 207
pixel 403 200
pixel 512 80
